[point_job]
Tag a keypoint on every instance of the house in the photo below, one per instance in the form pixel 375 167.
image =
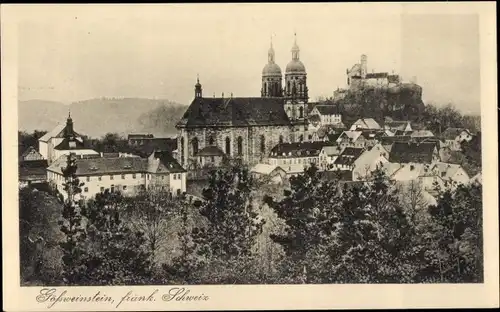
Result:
pixel 396 125
pixel 410 152
pixel 294 157
pixel 125 174
pixel 371 159
pixel 326 132
pixel 351 138
pixel 31 154
pixel 346 159
pixel 422 134
pixel 372 137
pixel 62 140
pixel 453 137
pixel 328 114
pixel 365 123
pixel 274 173
pixel 139 139
pixel 149 145
pixel 451 174
pixel 211 156
pixel 32 171
pixel 328 155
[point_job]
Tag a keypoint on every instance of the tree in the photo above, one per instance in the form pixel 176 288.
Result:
pixel 233 224
pixel 455 237
pixel 71 224
pixel 149 213
pixel 472 150
pixel 116 254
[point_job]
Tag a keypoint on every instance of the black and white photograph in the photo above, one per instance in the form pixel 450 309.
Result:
pixel 247 144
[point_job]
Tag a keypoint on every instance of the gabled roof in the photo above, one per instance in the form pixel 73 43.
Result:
pixel 446 170
pixel 332 150
pixel 452 133
pixel 103 166
pixel 367 123
pixel 422 134
pixel 234 112
pixel 210 150
pixel 265 168
pixel 352 135
pixel 30 150
pixel 478 178
pixel 169 163
pixel 57 132
pixel 348 156
pixel 409 172
pixel 397 124
pixel 31 170
pixel 409 152
pixel 298 149
pixel 328 109
pixel 69 144
pixel 156 145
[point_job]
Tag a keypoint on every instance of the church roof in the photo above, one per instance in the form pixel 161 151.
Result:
pixel 69 144
pixel 237 111
pixel 328 109
pixel 295 66
pixel 210 150
pixel 271 69
pixel 57 132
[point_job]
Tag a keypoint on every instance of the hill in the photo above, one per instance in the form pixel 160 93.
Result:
pixel 97 117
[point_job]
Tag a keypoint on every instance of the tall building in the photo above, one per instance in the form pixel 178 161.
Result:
pixel 247 128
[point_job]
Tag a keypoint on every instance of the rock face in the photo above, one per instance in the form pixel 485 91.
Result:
pixel 401 102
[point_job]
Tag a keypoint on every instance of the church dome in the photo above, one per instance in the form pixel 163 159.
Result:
pixel 271 69
pixel 295 66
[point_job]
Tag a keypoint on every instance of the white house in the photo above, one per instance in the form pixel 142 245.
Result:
pixel 365 123
pixel 61 141
pixel 276 174
pixel 453 137
pixel 351 138
pixel 328 155
pixel 368 161
pixel 346 159
pixel 294 157
pixel 125 174
pixel 328 114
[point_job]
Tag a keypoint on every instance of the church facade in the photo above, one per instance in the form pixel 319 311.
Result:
pixel 246 128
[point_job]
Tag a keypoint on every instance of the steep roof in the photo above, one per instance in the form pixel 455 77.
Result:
pixel 169 162
pixel 409 152
pixel 452 133
pixel 30 150
pixel 210 150
pixel 265 168
pixel 348 156
pixel 368 123
pixel 352 135
pixel 298 149
pixel 69 144
pixel 156 145
pixel 332 150
pixel 421 134
pixel 103 166
pixel 328 109
pixel 446 170
pixel 30 170
pixel 234 112
pixel 57 132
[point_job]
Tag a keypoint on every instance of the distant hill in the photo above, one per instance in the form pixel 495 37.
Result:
pixel 97 117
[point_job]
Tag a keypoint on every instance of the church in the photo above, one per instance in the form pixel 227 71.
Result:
pixel 246 128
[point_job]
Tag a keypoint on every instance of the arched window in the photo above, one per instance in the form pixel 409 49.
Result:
pixel 210 141
pixel 281 139
pixel 240 146
pixel 288 84
pixel 310 137
pixel 228 146
pixel 265 88
pixel 301 138
pixel 262 144
pixel 301 112
pixel 194 144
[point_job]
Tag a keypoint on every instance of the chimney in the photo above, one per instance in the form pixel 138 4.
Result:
pixel 222 94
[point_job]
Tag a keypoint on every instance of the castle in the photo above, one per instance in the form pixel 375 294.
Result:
pixel 246 128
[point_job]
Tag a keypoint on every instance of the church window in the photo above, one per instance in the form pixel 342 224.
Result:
pixel 301 112
pixel 240 145
pixel 281 139
pixel 195 146
pixel 228 146
pixel 211 141
pixel 288 88
pixel 310 136
pixel 262 144
pixel 265 88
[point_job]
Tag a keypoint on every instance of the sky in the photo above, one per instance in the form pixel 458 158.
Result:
pixel 70 53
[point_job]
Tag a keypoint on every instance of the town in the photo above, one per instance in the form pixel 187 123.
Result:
pixel 251 166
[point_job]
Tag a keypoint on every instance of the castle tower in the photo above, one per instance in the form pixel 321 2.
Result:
pixel 197 88
pixel 364 66
pixel 296 91
pixel 271 76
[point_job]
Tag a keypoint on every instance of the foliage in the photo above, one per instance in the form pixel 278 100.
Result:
pixel 26 139
pixel 472 150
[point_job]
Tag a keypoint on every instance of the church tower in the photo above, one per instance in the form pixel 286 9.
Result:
pixel 296 92
pixel 197 88
pixel 271 76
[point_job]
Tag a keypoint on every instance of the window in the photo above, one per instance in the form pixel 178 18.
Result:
pixel 111 177
pixel 212 158
pixel 123 177
pixel 240 146
pixel 124 187
pixel 102 189
pixel 301 138
pixel 310 136
pixel 211 141
pixel 86 190
pixel 281 139
pixel 182 153
pixel 162 177
pixel 112 188
pixel 133 176
pixel 301 112
pixel 228 146
pixel 262 144
pixel 99 178
pixel 88 179
pixel 194 144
